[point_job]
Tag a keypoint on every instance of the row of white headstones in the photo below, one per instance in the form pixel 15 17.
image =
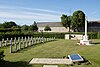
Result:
pixel 19 43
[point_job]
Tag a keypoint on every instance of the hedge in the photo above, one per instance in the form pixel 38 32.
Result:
pixel 92 35
pixel 9 29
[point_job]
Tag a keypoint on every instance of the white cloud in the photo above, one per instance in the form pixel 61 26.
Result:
pixel 19 13
pixel 28 16
pixel 30 9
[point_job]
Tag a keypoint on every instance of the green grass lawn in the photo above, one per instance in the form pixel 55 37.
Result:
pixel 54 49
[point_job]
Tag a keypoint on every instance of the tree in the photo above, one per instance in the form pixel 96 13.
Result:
pixel 18 26
pixel 25 28
pixel 33 27
pixel 1 25
pixel 9 24
pixel 66 21
pixel 47 28
pixel 78 19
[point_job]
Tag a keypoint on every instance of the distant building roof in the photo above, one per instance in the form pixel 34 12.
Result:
pixel 58 24
pixel 50 24
pixel 94 23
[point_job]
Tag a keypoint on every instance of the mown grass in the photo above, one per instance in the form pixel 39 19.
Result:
pixel 54 49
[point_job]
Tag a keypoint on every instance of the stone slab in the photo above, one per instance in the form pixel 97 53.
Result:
pixel 50 61
pixel 50 65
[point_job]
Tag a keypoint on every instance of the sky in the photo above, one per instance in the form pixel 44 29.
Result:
pixel 27 11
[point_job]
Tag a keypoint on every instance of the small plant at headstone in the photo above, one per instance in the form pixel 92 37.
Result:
pixel 64 56
pixel 87 63
pixel 78 63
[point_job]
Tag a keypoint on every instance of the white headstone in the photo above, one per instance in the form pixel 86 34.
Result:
pixel 15 44
pixel 5 42
pixel 11 46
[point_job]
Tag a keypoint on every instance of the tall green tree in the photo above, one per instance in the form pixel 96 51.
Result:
pixel 9 24
pixel 78 19
pixel 25 28
pixel 47 28
pixel 33 27
pixel 66 21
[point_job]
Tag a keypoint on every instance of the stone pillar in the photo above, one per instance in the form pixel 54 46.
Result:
pixel 85 40
pixel 85 37
pixel 86 27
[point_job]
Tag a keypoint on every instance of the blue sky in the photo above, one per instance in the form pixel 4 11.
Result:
pixel 28 11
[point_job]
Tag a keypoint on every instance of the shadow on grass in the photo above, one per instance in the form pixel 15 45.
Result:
pixel 96 43
pixel 15 64
pixel 31 46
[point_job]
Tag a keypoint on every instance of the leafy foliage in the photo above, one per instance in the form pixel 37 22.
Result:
pixel 66 21
pixel 24 27
pixel 33 27
pixel 78 19
pixel 47 28
pixel 8 24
